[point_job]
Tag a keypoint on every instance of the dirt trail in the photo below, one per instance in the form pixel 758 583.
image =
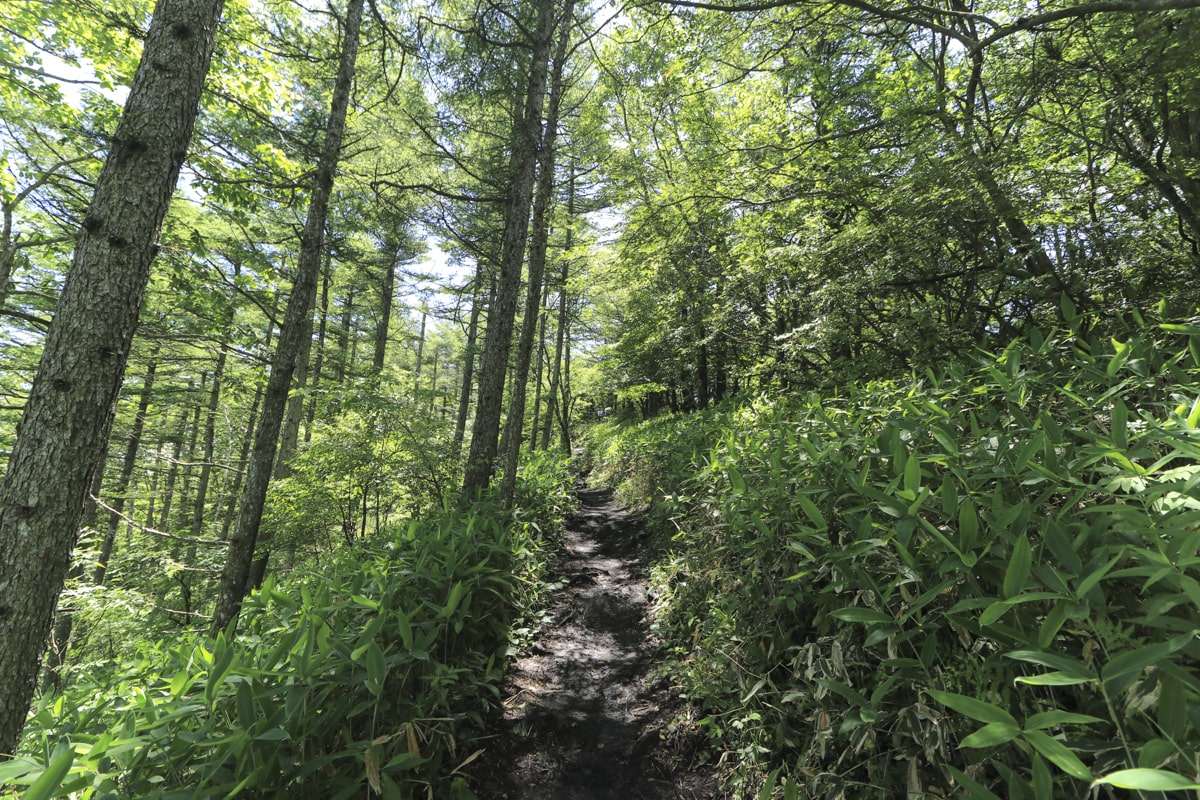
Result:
pixel 583 713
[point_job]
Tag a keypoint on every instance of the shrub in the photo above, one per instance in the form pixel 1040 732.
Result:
pixel 376 672
pixel 983 579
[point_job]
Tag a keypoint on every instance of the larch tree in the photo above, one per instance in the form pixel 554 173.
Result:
pixel 493 368
pixel 293 337
pixel 513 432
pixel 68 415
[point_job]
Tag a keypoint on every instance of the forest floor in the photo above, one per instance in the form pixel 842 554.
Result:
pixel 587 713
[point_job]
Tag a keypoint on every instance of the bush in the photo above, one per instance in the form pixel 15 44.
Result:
pixel 376 672
pixel 983 579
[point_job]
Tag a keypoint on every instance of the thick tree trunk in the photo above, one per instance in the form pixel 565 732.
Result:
pixel 297 326
pixel 64 622
pixel 69 412
pixel 493 367
pixel 288 442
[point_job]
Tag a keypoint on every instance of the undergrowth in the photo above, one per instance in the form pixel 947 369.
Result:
pixel 372 676
pixel 982 581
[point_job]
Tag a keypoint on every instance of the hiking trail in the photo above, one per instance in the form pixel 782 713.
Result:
pixel 586 710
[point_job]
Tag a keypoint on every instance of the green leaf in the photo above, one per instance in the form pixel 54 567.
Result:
pixel 812 512
pixel 736 480
pixel 49 781
pixel 1053 623
pixel 990 735
pixel 1049 719
pixel 272 735
pixel 846 692
pixel 376 669
pixel 857 614
pixel 1058 754
pixel 1120 356
pixel 1096 575
pixel 975 709
pixel 1150 780
pixel 973 787
pixel 1134 661
pixel 968 525
pixel 1043 781
pixel 912 474
pixel 1193 417
pixel 456 595
pixel 1054 679
pixel 1052 660
pixel 1018 566
pixel 1174 328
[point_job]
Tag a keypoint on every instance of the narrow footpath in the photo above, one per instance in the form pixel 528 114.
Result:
pixel 586 715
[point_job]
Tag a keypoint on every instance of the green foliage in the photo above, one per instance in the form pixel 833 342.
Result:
pixel 651 459
pixel 374 457
pixel 981 580
pixel 377 672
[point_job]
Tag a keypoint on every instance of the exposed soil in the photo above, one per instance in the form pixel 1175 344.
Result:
pixel 586 715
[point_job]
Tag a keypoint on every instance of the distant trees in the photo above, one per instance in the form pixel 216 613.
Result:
pixel 810 191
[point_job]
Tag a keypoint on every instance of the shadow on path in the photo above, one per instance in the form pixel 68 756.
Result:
pixel 583 715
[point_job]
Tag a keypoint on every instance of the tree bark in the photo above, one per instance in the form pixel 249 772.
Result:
pixel 493 367
pixel 297 326
pixel 69 413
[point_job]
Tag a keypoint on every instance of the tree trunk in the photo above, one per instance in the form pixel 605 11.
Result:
pixel 176 439
pixel 344 358
pixel 297 326
pixel 420 355
pixel 468 369
pixel 387 290
pixel 564 403
pixel 534 425
pixel 121 491
pixel 239 477
pixel 560 334
pixel 69 412
pixel 514 430
pixel 60 639
pixel 288 441
pixel 502 312
pixel 189 461
pixel 319 360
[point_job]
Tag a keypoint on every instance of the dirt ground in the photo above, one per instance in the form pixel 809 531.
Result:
pixel 586 712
